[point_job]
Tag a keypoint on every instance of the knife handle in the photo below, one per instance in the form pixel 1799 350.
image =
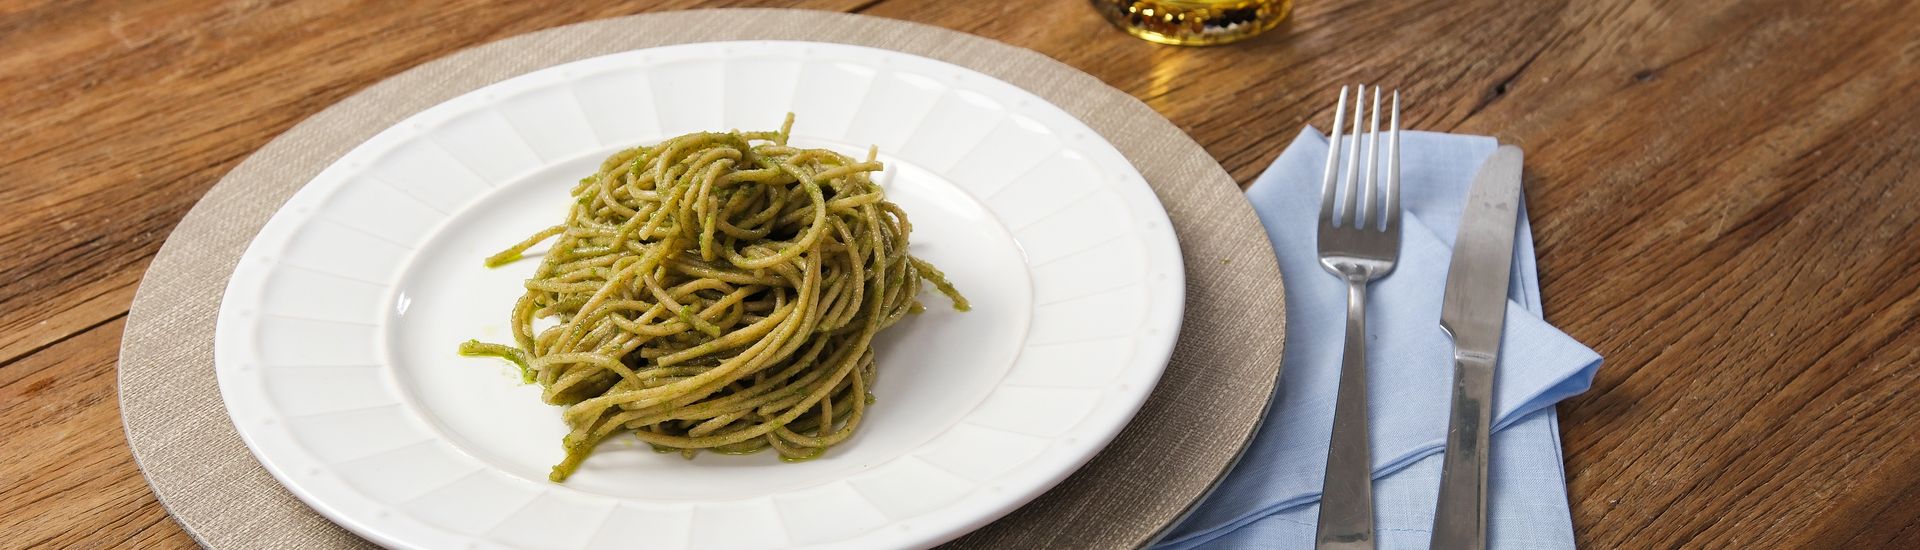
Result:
pixel 1460 518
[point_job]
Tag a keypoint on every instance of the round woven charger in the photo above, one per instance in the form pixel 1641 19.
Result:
pixel 1190 432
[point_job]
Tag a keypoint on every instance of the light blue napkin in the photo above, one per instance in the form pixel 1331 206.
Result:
pixel 1271 499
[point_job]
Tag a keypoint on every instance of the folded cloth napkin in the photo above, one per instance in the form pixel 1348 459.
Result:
pixel 1271 499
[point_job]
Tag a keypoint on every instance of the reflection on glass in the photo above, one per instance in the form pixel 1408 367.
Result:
pixel 1194 22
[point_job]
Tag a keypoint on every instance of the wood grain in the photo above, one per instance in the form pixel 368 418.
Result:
pixel 1721 190
pixel 69 479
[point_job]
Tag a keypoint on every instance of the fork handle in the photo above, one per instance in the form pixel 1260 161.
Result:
pixel 1346 496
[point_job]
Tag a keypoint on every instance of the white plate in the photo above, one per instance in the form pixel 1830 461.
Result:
pixel 336 341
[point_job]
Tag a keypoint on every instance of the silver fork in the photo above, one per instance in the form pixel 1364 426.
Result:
pixel 1359 246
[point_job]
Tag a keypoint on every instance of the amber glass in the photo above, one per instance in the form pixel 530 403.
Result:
pixel 1194 22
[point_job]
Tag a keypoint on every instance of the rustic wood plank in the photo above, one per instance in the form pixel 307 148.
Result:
pixel 1719 190
pixel 68 477
pixel 81 312
pixel 1754 291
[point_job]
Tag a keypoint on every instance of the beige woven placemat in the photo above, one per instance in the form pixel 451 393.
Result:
pixel 1191 430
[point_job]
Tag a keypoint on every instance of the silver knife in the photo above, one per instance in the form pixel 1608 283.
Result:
pixel 1473 314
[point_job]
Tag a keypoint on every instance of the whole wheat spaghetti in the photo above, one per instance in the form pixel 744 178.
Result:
pixel 715 291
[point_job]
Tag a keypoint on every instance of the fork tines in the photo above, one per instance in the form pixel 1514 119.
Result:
pixel 1356 190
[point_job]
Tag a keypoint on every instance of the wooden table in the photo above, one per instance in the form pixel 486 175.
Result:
pixel 1722 193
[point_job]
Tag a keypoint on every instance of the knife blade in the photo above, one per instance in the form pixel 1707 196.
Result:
pixel 1473 313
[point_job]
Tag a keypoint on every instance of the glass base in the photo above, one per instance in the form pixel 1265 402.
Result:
pixel 1194 22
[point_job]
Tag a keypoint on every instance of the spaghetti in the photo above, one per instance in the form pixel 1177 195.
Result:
pixel 716 291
